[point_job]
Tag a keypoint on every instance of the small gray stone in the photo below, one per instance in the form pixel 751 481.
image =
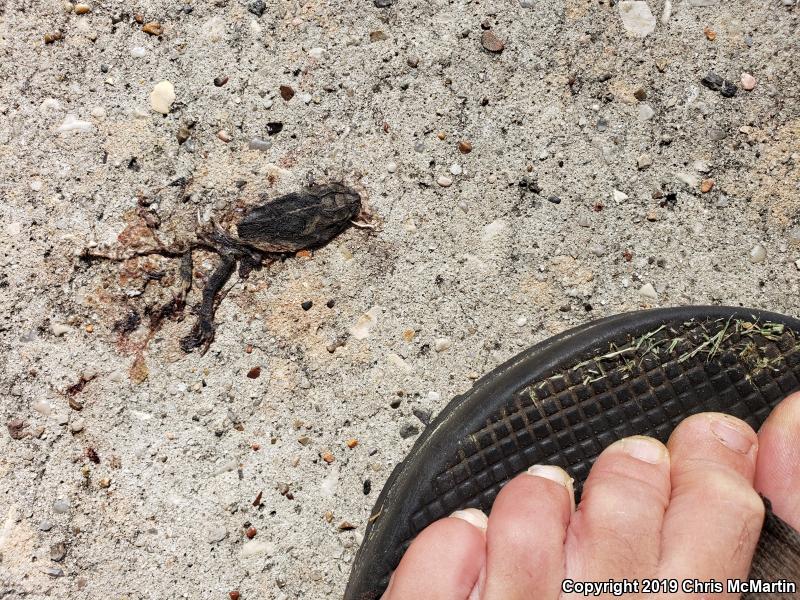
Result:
pixel 60 506
pixel 423 414
pixel 597 249
pixel 794 236
pixel 526 3
pixel 45 526
pixel 260 144
pixel 58 551
pixel 76 426
pixel 408 430
pixel 644 161
pixel 383 3
pixel 217 534
pixel 53 571
pixel 257 7
pixel 646 112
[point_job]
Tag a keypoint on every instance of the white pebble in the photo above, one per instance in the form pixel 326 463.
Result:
pixel 162 97
pixel 444 181
pixel 43 407
pixel 442 344
pixel 702 166
pixel 648 291
pixel 49 104
pixel 36 185
pixel 646 112
pixel 637 18
pixel 758 254
pixel 456 169
pixel 492 178
pixel 522 321
pixel 330 483
pixel 619 196
pixel 434 396
pixel 14 228
pixel 59 329
pixel 391 167
pixel 256 547
pixel 748 81
pixel 99 113
pixel 138 51
pixel 365 323
pixel 72 123
pixel 316 53
pixel 491 230
pixel 305 98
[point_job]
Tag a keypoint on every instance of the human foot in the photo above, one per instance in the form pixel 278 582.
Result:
pixel 685 512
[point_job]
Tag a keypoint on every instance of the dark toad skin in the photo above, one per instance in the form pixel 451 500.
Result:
pixel 297 221
pixel 276 228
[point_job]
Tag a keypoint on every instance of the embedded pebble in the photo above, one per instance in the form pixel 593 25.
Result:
pixel 637 18
pixel 646 112
pixel 648 291
pixel 72 123
pixel 491 230
pixel 77 426
pixel 442 344
pixel 60 506
pixel 53 571
pixel 45 526
pixel 794 236
pixel 444 181
pixel 59 329
pixel 619 196
pixel 758 254
pixel 153 28
pixel 14 228
pixel 748 81
pixel 58 551
pixel 522 321
pixel 365 323
pixel 597 249
pixel 217 534
pixel 138 52
pixel 162 97
pixel 644 161
pixel 224 136
pixel 256 547
pixel 82 9
pixel 408 430
pixel 257 143
pixel 316 53
pixel 491 42
pixel 391 167
pixel 456 169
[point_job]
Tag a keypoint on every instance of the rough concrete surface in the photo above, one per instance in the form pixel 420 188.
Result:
pixel 129 469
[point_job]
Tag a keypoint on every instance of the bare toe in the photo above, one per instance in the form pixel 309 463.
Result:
pixel 714 518
pixel 778 464
pixel 444 562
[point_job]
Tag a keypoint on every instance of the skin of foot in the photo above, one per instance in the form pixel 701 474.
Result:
pixel 689 511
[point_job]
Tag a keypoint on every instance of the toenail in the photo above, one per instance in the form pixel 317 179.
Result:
pixel 472 516
pixel 645 449
pixel 557 474
pixel 731 434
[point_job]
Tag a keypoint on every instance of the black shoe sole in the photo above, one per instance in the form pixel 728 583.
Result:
pixel 564 400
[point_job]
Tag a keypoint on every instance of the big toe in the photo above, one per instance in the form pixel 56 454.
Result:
pixel 778 464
